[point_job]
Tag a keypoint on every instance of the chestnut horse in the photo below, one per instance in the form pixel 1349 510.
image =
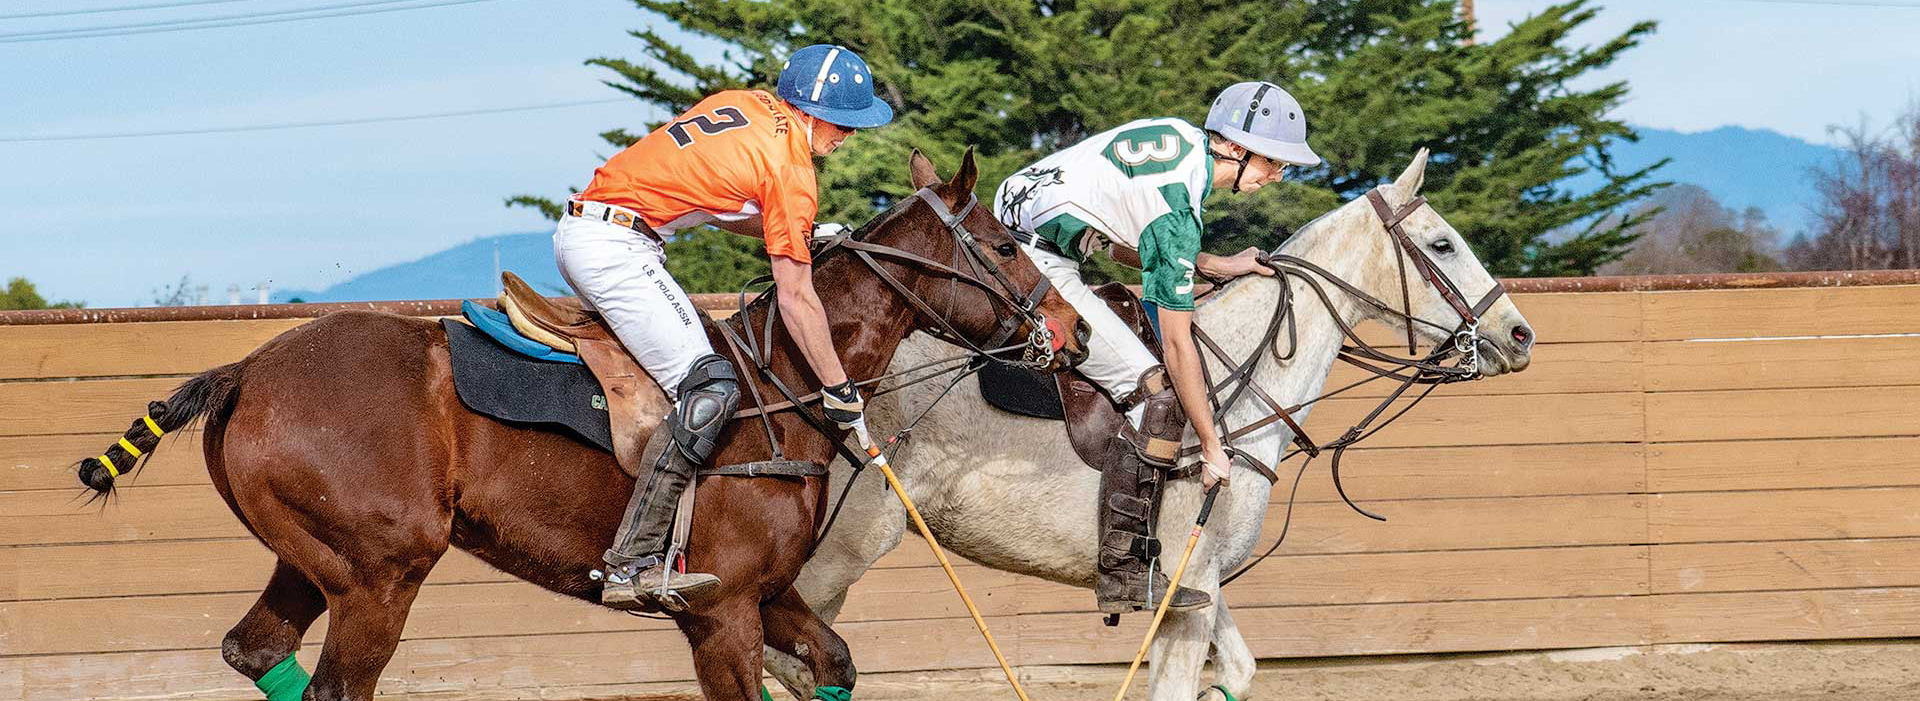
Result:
pixel 343 448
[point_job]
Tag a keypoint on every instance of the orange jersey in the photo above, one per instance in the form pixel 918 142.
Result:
pixel 735 154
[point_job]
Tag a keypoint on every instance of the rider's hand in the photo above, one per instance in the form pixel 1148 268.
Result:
pixel 843 404
pixel 1214 466
pixel 1236 265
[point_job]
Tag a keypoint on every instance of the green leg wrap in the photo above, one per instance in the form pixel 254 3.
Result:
pixel 1224 692
pixel 285 681
pixel 764 696
pixel 832 693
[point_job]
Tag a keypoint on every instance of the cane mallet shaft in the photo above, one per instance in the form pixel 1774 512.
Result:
pixel 873 453
pixel 1199 524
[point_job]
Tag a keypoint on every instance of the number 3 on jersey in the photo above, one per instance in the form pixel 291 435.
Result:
pixel 707 124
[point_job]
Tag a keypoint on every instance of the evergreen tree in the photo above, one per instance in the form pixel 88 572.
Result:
pixel 1379 79
pixel 21 294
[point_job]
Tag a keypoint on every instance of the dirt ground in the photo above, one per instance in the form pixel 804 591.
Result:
pixel 1843 671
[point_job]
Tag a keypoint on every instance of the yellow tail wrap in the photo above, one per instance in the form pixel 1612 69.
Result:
pixel 128 446
pixel 109 463
pixel 154 427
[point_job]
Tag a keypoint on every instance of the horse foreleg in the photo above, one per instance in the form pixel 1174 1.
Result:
pixel 726 639
pixel 1179 651
pixel 270 633
pixel 1233 664
pixel 793 628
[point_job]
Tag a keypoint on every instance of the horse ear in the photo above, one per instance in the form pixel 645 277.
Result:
pixel 963 181
pixel 923 173
pixel 1415 174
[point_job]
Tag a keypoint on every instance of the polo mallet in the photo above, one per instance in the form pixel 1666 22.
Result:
pixel 1193 539
pixel 875 457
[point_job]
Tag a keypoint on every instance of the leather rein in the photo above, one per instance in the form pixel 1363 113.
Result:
pixel 1432 369
pixel 755 349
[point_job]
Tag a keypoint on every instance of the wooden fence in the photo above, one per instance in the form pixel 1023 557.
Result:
pixel 1679 465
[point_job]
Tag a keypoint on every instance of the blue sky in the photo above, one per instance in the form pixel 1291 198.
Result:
pixel 108 221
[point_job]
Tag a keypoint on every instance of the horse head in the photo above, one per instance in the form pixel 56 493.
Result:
pixel 980 284
pixel 1364 250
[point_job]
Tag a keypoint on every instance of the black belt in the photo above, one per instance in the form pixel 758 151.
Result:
pixel 1036 241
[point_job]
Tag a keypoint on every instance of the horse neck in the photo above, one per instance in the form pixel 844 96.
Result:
pixel 866 321
pixel 1344 245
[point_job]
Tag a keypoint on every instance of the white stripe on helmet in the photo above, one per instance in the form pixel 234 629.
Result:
pixel 820 81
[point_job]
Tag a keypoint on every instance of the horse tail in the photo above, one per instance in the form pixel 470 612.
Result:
pixel 210 394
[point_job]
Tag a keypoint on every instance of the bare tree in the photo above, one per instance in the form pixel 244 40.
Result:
pixel 1868 215
pixel 1687 231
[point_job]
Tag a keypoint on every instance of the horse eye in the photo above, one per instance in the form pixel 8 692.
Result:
pixel 1443 246
pixel 1006 250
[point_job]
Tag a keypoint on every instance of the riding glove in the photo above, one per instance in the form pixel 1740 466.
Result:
pixel 843 404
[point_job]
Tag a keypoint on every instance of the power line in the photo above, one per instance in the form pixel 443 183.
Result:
pixel 345 10
pixel 122 8
pixel 304 125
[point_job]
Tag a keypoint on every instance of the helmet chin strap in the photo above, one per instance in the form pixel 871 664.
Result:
pixel 810 119
pixel 1245 157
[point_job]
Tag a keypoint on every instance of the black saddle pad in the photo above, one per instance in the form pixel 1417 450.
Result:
pixel 1022 391
pixel 505 385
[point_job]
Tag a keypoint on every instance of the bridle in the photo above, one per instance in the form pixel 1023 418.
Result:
pixel 755 349
pixel 1432 369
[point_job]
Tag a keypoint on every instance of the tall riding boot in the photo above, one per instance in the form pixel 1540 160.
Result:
pixel 1128 580
pixel 640 577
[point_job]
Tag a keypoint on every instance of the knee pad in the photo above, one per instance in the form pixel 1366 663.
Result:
pixel 708 397
pixel 1162 422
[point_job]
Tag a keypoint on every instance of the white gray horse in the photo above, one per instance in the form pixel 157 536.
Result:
pixel 993 488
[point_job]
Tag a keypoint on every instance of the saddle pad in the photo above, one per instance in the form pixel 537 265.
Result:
pixel 497 326
pixel 509 386
pixel 1020 390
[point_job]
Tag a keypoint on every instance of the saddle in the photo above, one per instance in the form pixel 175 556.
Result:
pixel 1092 418
pixel 635 403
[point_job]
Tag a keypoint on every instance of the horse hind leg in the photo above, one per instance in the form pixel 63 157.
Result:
pixel 362 634
pixel 264 640
pixel 815 660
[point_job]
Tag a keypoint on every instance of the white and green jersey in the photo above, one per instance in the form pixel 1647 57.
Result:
pixel 1138 185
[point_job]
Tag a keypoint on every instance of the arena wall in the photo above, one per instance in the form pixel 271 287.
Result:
pixel 1705 459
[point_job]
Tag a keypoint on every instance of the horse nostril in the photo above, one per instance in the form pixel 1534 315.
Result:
pixel 1522 335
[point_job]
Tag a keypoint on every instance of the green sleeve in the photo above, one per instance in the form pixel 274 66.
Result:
pixel 1169 252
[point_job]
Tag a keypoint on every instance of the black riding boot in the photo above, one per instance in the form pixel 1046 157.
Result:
pixel 1128 580
pixel 639 577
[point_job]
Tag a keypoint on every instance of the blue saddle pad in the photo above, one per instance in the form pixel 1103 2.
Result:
pixel 497 326
pixel 512 386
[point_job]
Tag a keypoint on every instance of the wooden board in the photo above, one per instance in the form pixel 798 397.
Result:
pixel 1442 420
pixel 1557 368
pixel 46 462
pixel 1786 615
pixel 1462 524
pixel 1556 317
pixel 1783 464
pixel 1818 564
pixel 154 348
pixel 1475 471
pixel 1803 311
pixel 1466 575
pixel 1694 517
pixel 1782 413
pixel 82 406
pixel 1814 362
pixel 231 565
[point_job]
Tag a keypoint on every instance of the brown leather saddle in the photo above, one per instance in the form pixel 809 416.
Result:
pixel 1092 417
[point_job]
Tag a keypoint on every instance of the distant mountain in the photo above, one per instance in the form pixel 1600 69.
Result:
pixel 461 272
pixel 1740 167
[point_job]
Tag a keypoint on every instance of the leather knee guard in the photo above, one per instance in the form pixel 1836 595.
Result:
pixel 1162 422
pixel 708 396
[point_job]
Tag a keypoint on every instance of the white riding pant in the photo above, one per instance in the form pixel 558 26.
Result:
pixel 1115 357
pixel 623 275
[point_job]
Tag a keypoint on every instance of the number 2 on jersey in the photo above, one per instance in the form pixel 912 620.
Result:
pixel 707 125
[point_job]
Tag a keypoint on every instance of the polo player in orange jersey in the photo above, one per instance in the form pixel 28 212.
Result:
pixel 741 160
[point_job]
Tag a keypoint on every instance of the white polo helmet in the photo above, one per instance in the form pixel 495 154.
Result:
pixel 1265 119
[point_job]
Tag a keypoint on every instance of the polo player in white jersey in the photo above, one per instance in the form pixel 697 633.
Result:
pixel 1136 191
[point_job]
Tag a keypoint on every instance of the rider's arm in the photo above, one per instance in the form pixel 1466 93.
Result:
pixel 1183 366
pixel 1233 266
pixel 805 319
